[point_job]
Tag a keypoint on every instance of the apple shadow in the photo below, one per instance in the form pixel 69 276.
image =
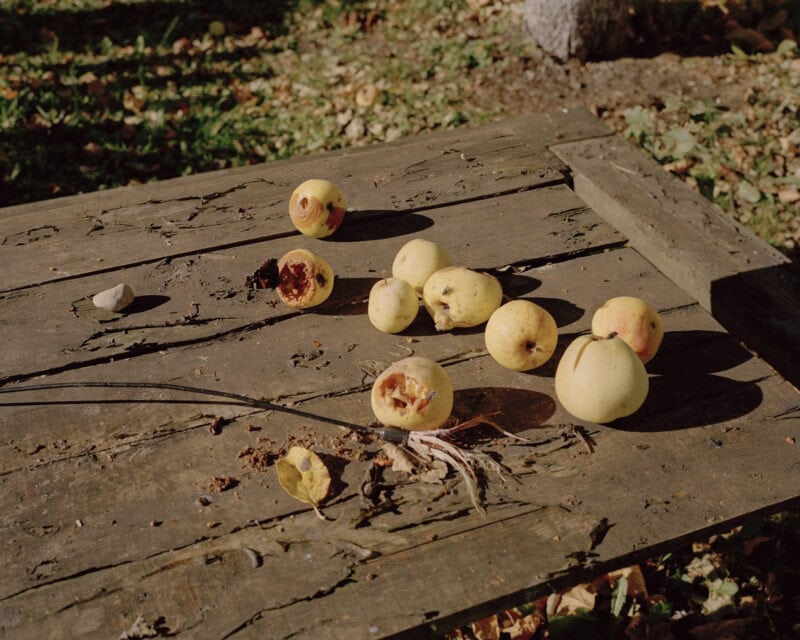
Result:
pixel 697 352
pixel 685 401
pixel 349 297
pixel 424 325
pixel 563 311
pixel 378 224
pixel 516 285
pixel 515 410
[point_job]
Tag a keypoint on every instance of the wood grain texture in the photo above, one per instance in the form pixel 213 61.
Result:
pixel 134 476
pixel 750 287
pixel 202 296
pixel 121 503
pixel 83 235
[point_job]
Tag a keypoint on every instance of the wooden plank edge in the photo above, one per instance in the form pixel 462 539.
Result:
pixel 538 130
pixel 580 572
pixel 749 287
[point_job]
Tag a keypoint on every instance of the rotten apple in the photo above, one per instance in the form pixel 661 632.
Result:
pixel 317 208
pixel 304 279
pixel 414 393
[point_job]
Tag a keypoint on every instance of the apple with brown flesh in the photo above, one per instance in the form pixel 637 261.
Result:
pixel 414 393
pixel 601 379
pixel 461 297
pixel 304 279
pixel 317 208
pixel 521 335
pixel 392 305
pixel 633 320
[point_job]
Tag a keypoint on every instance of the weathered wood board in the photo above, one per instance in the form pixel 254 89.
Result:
pixel 112 505
pixel 203 295
pixel 233 207
pixel 750 287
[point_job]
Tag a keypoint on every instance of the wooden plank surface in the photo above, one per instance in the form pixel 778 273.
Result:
pixel 109 507
pixel 750 287
pixel 79 236
pixel 133 476
pixel 201 296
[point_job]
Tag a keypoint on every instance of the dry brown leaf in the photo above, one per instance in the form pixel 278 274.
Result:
pixel 304 476
pixel 635 577
pixel 486 629
pixel 402 462
pixel 434 473
pixel 518 626
pixel 578 597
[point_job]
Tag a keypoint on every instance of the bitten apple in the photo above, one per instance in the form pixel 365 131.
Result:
pixel 461 297
pixel 414 393
pixel 304 279
pixel 393 305
pixel 633 320
pixel 521 335
pixel 601 379
pixel 317 208
pixel 417 260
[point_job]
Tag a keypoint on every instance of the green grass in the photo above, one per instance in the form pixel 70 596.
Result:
pixel 100 93
pixel 130 103
pixel 745 160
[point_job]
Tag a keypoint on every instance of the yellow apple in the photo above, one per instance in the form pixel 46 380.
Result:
pixel 633 320
pixel 601 379
pixel 417 260
pixel 461 297
pixel 521 335
pixel 393 305
pixel 414 393
pixel 317 208
pixel 304 279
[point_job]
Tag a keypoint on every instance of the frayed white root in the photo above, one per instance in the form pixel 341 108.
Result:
pixel 437 444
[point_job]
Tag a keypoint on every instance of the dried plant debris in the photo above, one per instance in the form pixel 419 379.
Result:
pixel 259 458
pixel 265 277
pixel 141 629
pixel 222 483
pixel 741 585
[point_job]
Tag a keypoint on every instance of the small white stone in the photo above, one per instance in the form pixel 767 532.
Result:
pixel 115 298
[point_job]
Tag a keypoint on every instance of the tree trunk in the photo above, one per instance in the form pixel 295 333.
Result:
pixel 577 28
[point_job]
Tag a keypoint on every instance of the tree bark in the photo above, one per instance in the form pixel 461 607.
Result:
pixel 583 29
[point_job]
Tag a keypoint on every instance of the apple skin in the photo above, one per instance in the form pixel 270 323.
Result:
pixel 601 379
pixel 417 259
pixel 414 393
pixel 317 208
pixel 461 297
pixel 633 320
pixel 304 279
pixel 521 335
pixel 393 305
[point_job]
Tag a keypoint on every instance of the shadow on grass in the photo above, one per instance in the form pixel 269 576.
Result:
pixel 694 28
pixel 155 21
